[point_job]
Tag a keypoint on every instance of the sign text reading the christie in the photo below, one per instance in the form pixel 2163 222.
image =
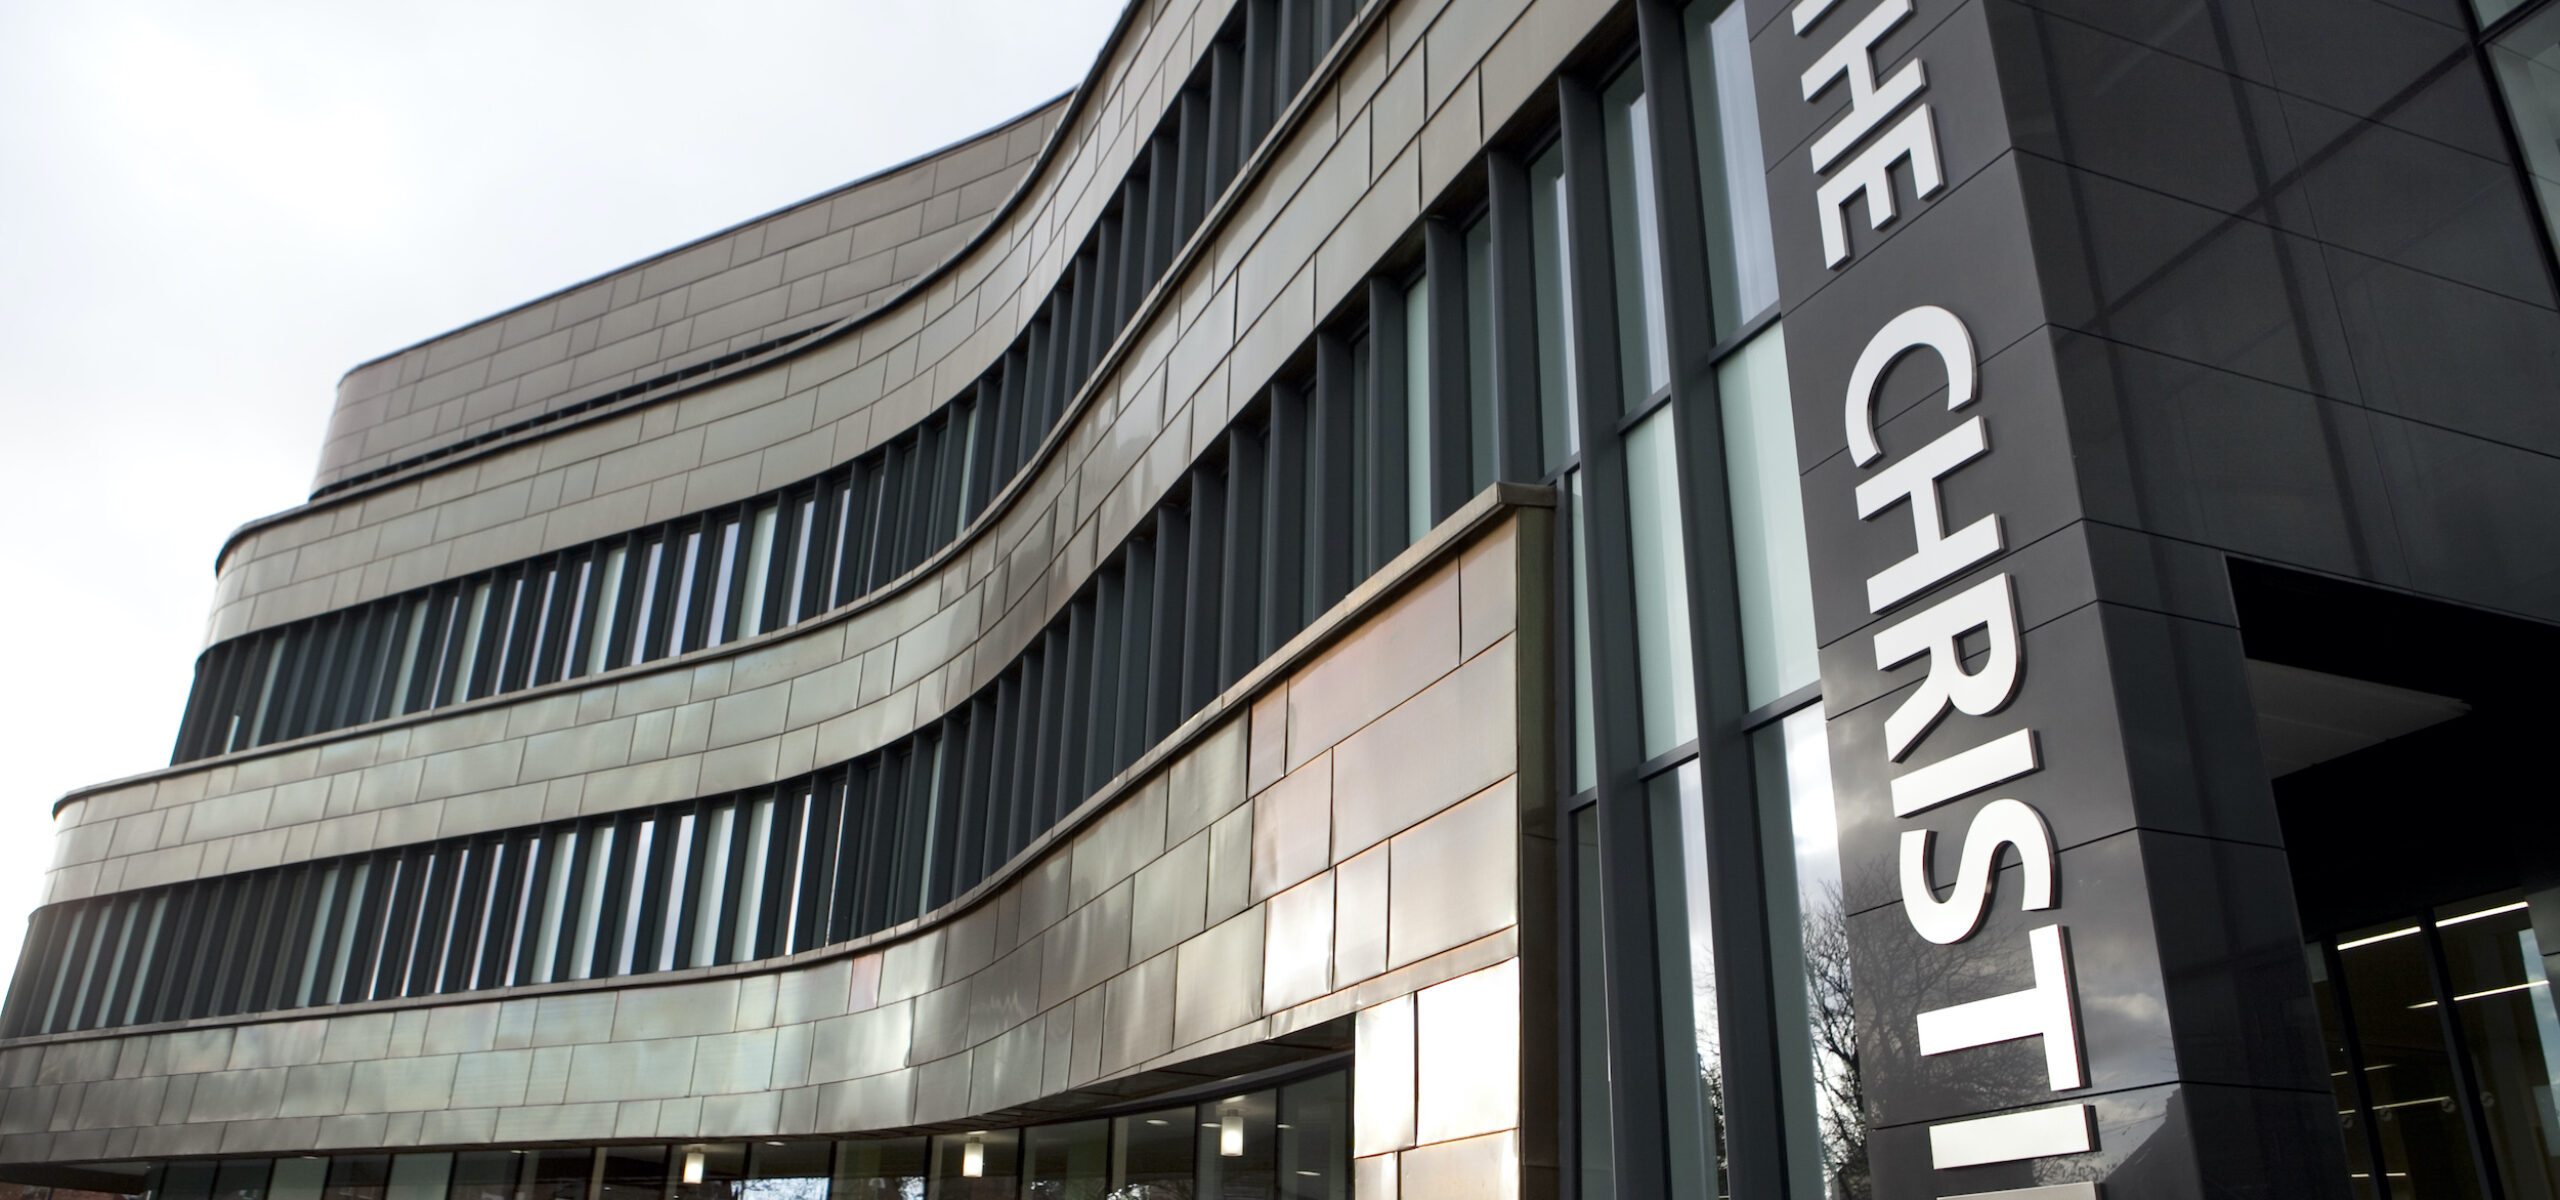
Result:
pixel 1852 158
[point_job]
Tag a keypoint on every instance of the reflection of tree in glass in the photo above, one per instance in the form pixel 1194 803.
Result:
pixel 1840 1087
pixel 1159 1190
pixel 784 1189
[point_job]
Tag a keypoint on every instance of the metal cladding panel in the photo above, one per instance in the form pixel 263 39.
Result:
pixel 2069 921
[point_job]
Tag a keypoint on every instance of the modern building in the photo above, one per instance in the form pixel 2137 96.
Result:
pixel 1413 600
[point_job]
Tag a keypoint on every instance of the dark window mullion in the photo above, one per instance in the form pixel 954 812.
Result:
pixel 1169 630
pixel 1102 685
pixel 1333 478
pixel 1137 647
pixel 1453 450
pixel 1284 512
pixel 1390 528
pixel 1040 797
pixel 1240 585
pixel 1205 596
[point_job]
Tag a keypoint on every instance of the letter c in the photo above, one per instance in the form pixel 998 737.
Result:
pixel 1929 326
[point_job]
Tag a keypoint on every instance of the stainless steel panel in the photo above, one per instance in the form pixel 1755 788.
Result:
pixel 812 993
pixel 461 1029
pixel 1441 747
pixel 1137 1014
pixel 1387 659
pixel 1218 978
pixel 400 1085
pixel 791 1055
pixel 319 1090
pixel 631 1070
pixel 684 1010
pixel 1006 1071
pixel 556 1122
pixel 752 1114
pixel 459 1127
pixel 1360 917
pixel 1207 782
pixel 910 967
pixel 1489 589
pixel 122 1102
pixel 238 1095
pixel 1292 828
pixel 1230 864
pixel 574 1018
pixel 278 1044
pixel 1453 878
pixel 1374 1178
pixel 1382 1103
pixel 186 1052
pixel 492 1078
pixel 351 1038
pixel 1089 946
pixel 864 1043
pixel 942 1089
pixel 1485 1168
pixel 733 1062
pixel 1297 947
pixel 1171 899
pixel 548 1080
pixel 1467 1060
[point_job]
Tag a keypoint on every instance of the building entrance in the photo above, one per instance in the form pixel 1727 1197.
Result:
pixel 2404 745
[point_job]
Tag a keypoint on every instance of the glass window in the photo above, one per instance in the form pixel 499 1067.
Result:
pixel 2527 59
pixel 1067 1162
pixel 1635 241
pixel 1315 1139
pixel 559 1174
pixel 1417 408
pixel 801 532
pixel 634 1173
pixel 1480 401
pixel 298 1178
pixel 788 1171
pixel 1665 668
pixel 1774 583
pixel 974 1166
pixel 2502 999
pixel 643 842
pixel 409 656
pixel 555 902
pixel 644 616
pixel 608 605
pixel 1239 1145
pixel 714 888
pixel 1586 766
pixel 419 1177
pixel 486 1175
pixel 752 877
pixel 1684 930
pixel 1591 1010
pixel 1550 258
pixel 357 1176
pixel 712 1172
pixel 1809 958
pixel 880 1169
pixel 1151 1155
pixel 679 627
pixel 462 675
pixel 582 949
pixel 1742 266
pixel 185 1181
pixel 241 1179
pixel 759 566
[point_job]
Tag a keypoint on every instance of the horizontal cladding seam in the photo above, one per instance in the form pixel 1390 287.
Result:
pixel 1117 315
pixel 842 895
pixel 1253 165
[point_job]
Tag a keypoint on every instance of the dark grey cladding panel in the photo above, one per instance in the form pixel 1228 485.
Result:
pixel 2175 943
pixel 1963 95
pixel 2480 515
pixel 2142 721
pixel 2206 456
pixel 2232 1143
pixel 1965 255
pixel 2026 477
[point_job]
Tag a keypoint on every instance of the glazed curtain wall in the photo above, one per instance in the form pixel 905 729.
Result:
pixel 1291 1142
pixel 739 570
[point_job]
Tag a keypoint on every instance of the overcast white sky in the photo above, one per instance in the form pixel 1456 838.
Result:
pixel 211 211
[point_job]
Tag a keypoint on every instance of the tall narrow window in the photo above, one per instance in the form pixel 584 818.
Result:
pixel 1480 395
pixel 751 879
pixel 608 606
pixel 708 899
pixel 1635 238
pixel 1773 582
pixel 1823 1093
pixel 1418 433
pixel 1742 264
pixel 759 566
pixel 1664 668
pixel 471 641
pixel 1586 767
pixel 1550 259
pixel 1684 922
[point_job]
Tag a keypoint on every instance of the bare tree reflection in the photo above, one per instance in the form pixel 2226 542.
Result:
pixel 1840 1092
